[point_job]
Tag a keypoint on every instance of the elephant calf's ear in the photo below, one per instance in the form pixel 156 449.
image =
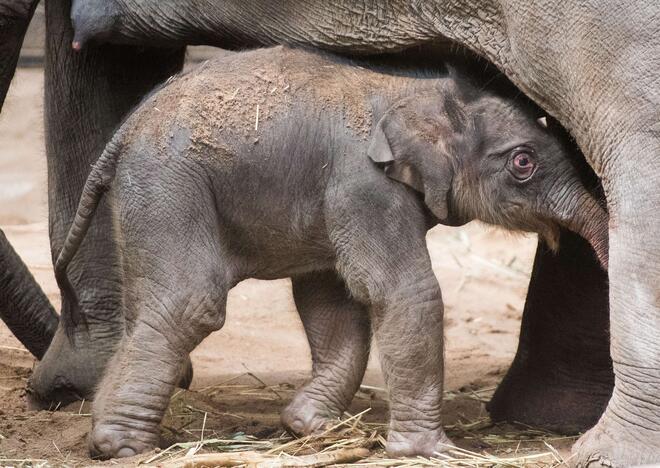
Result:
pixel 397 168
pixel 404 147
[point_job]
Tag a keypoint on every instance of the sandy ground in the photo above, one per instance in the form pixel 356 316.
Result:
pixel 483 273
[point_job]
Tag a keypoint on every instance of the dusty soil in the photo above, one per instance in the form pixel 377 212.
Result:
pixel 483 273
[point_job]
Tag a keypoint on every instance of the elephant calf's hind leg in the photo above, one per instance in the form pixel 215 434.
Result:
pixel 141 378
pixel 175 296
pixel 338 332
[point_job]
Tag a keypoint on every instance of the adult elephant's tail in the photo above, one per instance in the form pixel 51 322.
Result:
pixel 98 182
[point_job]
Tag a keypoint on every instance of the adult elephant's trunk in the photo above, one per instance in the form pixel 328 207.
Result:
pixel 15 15
pixel 23 305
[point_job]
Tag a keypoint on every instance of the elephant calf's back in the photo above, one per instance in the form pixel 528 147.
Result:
pixel 234 97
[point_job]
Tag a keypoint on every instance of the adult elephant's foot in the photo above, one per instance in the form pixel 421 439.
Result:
pixel 561 378
pixel 69 373
pixel 424 443
pixel 308 413
pixel 562 404
pixel 613 444
pixel 113 441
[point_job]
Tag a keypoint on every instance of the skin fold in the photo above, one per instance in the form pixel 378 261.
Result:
pixel 339 185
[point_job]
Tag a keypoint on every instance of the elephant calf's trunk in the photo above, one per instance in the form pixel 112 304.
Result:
pixel 591 221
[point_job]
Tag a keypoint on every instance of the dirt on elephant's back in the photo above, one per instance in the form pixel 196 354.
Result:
pixel 233 98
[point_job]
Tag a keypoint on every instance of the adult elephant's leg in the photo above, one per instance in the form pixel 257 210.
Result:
pixel 612 110
pixel 561 378
pixel 628 433
pixel 87 95
pixel 338 332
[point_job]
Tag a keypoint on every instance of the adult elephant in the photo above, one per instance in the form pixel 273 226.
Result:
pixel 592 64
pixel 561 377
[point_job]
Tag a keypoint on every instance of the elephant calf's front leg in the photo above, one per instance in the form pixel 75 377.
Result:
pixel 380 239
pixel 337 329
pixel 408 327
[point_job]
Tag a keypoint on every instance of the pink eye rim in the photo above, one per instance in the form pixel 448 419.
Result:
pixel 522 164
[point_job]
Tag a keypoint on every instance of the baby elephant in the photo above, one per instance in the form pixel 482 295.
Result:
pixel 285 163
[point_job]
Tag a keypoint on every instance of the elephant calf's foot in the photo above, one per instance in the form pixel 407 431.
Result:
pixel 422 443
pixel 112 441
pixel 613 445
pixel 307 414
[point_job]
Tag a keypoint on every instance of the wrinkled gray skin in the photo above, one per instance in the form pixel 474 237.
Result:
pixel 592 64
pixel 311 204
pixel 561 378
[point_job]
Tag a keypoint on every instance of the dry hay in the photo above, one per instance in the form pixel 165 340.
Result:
pixel 356 442
pixel 204 437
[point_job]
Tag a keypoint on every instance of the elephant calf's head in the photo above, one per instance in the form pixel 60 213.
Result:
pixel 475 155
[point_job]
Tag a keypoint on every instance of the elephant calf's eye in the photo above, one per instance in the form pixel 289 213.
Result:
pixel 522 165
